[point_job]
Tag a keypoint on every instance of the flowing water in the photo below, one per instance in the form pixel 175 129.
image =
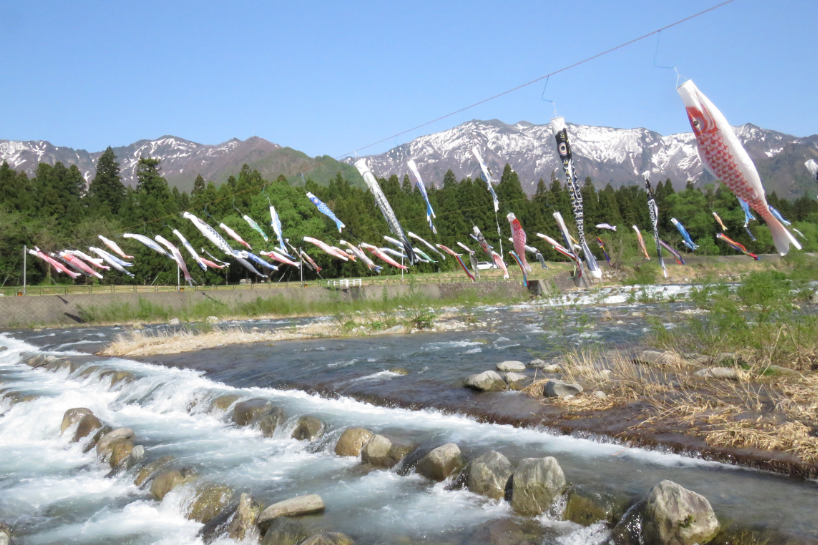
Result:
pixel 52 492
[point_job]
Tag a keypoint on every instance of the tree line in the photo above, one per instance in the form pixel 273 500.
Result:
pixel 56 209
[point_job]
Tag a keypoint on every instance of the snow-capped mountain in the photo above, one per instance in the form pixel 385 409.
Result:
pixel 607 155
pixel 181 160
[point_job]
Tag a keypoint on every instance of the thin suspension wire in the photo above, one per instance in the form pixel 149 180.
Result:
pixel 563 69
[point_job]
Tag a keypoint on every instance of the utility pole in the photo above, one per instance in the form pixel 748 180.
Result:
pixel 25 253
pixel 177 277
pixel 301 268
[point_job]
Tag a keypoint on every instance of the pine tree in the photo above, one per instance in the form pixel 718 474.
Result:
pixel 106 191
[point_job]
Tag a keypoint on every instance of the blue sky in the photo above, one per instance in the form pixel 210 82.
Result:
pixel 330 77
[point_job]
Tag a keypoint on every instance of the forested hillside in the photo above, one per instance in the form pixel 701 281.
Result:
pixel 55 210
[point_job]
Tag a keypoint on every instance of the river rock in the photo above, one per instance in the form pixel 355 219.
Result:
pixel 652 357
pixel 677 516
pixel 243 523
pixel 72 416
pixel 328 538
pixel 508 531
pixel 515 381
pixel 210 500
pixel 293 507
pixel 250 411
pixel 308 428
pixel 515 366
pixel 599 394
pixel 536 363
pixel 488 475
pixel 730 373
pixel 352 441
pixel 107 441
pixel 5 535
pixel 86 425
pixel 150 469
pixel 119 452
pixel 383 452
pixel 536 483
pixel 441 463
pixel 136 457
pixel 168 480
pixel 402 371
pixel 272 420
pixel 588 506
pixel 174 321
pixel 284 531
pixel 222 403
pixel 100 433
pixel 561 388
pixel 212 320
pixel 487 381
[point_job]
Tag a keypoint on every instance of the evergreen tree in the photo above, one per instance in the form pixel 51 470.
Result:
pixel 106 191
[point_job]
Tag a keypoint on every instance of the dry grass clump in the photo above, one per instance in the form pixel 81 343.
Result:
pixel 793 437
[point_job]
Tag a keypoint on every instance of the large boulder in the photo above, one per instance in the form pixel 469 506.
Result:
pixel 293 507
pixel 136 457
pixel 120 451
pixel 149 470
pixel 508 531
pixel 730 373
pixel 271 421
pixel 381 451
pixel 72 416
pixel 352 441
pixel 652 357
pixel 222 403
pixel 168 480
pixel 677 516
pixel 516 381
pixel 250 411
pixel 210 500
pixel 441 463
pixel 328 538
pixel 5 535
pixel 87 424
pixel 511 366
pixel 536 483
pixel 243 524
pixel 308 428
pixel 587 506
pixel 106 443
pixel 488 475
pixel 284 531
pixel 99 434
pixel 487 381
pixel 561 388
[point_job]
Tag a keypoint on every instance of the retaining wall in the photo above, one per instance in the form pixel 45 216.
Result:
pixel 56 310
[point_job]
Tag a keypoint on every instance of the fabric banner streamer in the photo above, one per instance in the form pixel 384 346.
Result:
pixel 487 178
pixel 812 167
pixel 280 258
pixel 567 158
pixel 533 250
pixel 602 246
pixel 413 168
pixel 438 252
pixel 481 240
pixel 148 242
pixel 95 261
pixel 424 255
pixel 653 212
pixel 79 264
pixel 385 208
pixel 779 217
pixel 310 262
pixel 210 234
pixel 275 223
pixel 395 253
pixel 498 262
pixel 564 251
pixel 641 242
pixel 53 262
pixel 726 159
pixel 256 259
pixel 799 233
pixel 234 235
pixel 522 267
pixel 382 256
pixel 326 248
pixel 190 249
pixel 472 259
pixel 460 261
pixel 68 264
pixel 569 247
pixel 112 245
pixel 251 222
pixel 718 220
pixel 748 217
pixel 362 256
pixel 111 260
pixel 241 257
pixel 518 235
pixel 736 246
pixel 685 235
pixel 606 226
pixel 673 252
pixel 324 209
pixel 219 261
pixel 177 256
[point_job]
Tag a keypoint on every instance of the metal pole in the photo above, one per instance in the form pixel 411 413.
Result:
pixel 301 268
pixel 177 277
pixel 25 252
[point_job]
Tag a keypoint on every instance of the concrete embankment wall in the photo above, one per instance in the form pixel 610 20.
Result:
pixel 55 310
